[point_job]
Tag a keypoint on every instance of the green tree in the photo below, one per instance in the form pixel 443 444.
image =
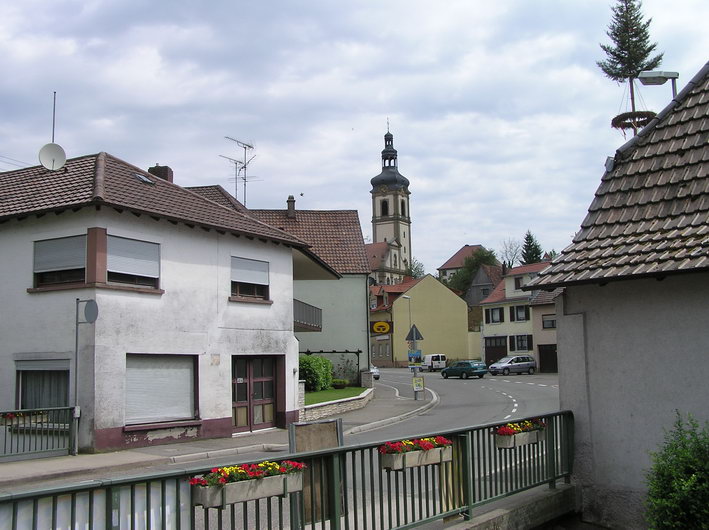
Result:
pixel 462 279
pixel 531 249
pixel 415 269
pixel 631 50
pixel 678 488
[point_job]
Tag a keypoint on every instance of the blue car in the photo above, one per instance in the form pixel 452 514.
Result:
pixel 465 369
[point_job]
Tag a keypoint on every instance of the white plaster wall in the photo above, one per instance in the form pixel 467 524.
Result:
pixel 193 316
pixel 630 354
pixel 345 315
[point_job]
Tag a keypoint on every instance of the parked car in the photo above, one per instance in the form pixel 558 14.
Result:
pixel 465 369
pixel 433 362
pixel 375 372
pixel 514 364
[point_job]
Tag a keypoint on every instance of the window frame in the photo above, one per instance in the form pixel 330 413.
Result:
pixel 44 275
pixel 132 262
pixel 256 290
pixel 549 318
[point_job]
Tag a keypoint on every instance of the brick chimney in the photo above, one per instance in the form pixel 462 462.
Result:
pixel 291 207
pixel 163 172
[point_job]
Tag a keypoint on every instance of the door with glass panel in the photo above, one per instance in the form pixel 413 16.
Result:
pixel 253 392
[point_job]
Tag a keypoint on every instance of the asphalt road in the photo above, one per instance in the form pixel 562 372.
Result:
pixel 465 402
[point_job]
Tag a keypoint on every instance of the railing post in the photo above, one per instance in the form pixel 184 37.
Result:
pixel 336 490
pixel 570 439
pixel 466 465
pixel 551 451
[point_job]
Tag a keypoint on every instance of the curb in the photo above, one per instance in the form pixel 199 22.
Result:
pixel 388 421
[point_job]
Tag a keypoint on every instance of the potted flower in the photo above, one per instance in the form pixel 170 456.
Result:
pixel 415 453
pixel 246 482
pixel 517 434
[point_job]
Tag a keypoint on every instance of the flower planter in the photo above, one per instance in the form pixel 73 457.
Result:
pixel 516 440
pixel 246 490
pixel 400 461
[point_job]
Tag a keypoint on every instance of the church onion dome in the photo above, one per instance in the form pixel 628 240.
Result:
pixel 390 176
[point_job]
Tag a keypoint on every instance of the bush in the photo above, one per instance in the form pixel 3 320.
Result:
pixel 340 383
pixel 316 372
pixel 678 482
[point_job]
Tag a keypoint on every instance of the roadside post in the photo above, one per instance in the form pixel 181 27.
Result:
pixel 412 338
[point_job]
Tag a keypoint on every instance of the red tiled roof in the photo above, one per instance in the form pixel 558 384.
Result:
pixel 376 254
pixel 527 269
pixel 219 195
pixel 494 273
pixel 545 297
pixel 102 179
pixel 334 235
pixel 496 296
pixel 650 215
pixel 457 260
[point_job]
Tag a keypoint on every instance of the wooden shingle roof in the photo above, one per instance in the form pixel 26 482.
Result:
pixel 650 215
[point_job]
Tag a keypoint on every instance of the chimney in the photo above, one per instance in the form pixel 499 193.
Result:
pixel 163 172
pixel 291 207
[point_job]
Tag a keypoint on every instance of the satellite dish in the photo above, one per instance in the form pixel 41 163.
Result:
pixel 52 156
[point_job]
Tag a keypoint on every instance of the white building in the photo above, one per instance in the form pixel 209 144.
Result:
pixel 194 336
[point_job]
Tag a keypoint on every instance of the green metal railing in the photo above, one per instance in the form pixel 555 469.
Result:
pixel 343 488
pixel 30 433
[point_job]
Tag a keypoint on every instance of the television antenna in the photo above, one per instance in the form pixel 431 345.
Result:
pixel 52 156
pixel 242 166
pixel 236 163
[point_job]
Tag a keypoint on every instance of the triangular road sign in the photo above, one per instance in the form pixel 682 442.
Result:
pixel 414 334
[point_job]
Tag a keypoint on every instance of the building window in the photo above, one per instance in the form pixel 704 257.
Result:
pixel 249 278
pixel 519 313
pixel 58 261
pixel 518 283
pixel 42 384
pixel 492 342
pixel 403 210
pixel 159 388
pixel 132 262
pixel 494 315
pixel 385 208
pixel 484 291
pixel 549 321
pixel 520 342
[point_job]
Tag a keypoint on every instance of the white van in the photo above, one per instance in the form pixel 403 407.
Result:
pixel 436 361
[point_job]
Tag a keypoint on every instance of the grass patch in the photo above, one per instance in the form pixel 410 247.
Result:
pixel 311 398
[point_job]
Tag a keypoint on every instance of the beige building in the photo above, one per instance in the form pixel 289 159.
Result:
pixel 543 309
pixel 438 313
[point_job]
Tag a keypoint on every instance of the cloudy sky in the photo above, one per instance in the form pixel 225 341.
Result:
pixel 499 112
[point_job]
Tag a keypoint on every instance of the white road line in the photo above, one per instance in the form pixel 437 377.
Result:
pixel 531 383
pixel 507 417
pixel 513 399
pixel 539 384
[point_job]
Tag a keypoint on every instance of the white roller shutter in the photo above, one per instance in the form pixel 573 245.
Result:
pixel 65 253
pixel 249 271
pixel 130 256
pixel 159 388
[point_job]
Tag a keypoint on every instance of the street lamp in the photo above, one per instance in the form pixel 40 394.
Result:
pixel 658 77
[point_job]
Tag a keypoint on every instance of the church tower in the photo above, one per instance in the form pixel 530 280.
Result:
pixel 391 221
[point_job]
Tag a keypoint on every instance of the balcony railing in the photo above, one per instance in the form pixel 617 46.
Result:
pixel 30 433
pixel 306 317
pixel 345 487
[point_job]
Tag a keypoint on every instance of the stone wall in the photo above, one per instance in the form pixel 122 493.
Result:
pixel 334 408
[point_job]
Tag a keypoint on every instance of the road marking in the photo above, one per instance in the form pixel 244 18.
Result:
pixel 507 417
pixel 531 383
pixel 539 384
pixel 518 382
pixel 513 399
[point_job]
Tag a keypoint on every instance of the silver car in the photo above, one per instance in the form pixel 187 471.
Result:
pixel 513 364
pixel 375 372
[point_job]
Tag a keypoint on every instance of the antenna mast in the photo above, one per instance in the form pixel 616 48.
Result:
pixel 244 164
pixel 236 174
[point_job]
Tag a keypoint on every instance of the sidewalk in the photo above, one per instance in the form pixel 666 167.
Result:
pixel 384 409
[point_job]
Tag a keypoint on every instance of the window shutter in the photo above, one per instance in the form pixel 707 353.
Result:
pixel 530 345
pixel 512 343
pixel 249 271
pixel 487 316
pixel 61 254
pixel 512 313
pixel 130 256
pixel 502 314
pixel 526 312
pixel 159 388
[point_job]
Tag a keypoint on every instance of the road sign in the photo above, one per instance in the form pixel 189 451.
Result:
pixel 414 334
pixel 418 384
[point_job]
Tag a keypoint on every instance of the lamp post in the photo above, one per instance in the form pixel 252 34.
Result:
pixel 658 77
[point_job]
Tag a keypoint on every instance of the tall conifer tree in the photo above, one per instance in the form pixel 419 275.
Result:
pixel 631 50
pixel 531 249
